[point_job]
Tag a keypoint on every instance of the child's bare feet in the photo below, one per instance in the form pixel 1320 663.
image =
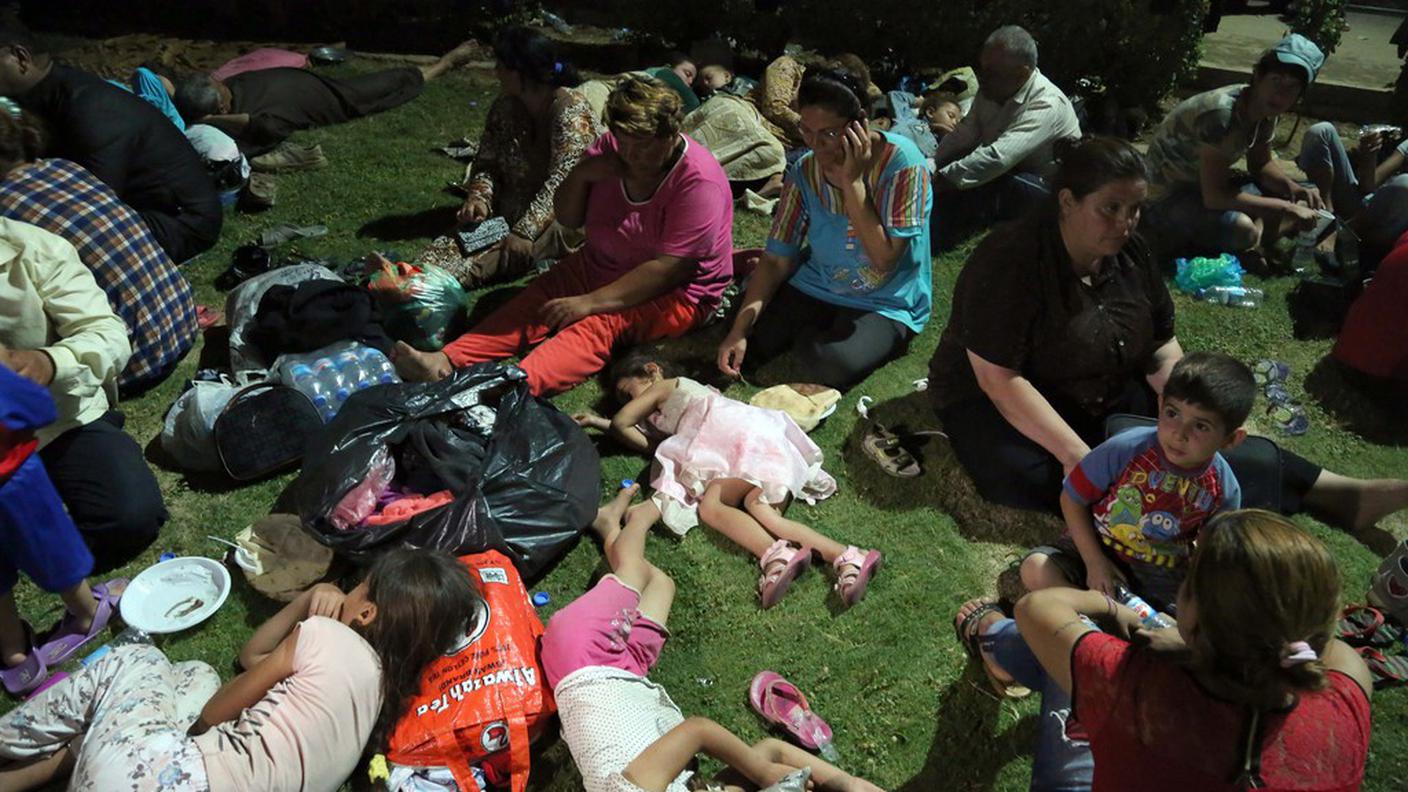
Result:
pixel 609 517
pixel 414 365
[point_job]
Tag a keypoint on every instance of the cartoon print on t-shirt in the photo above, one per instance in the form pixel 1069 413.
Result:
pixel 1143 517
pixel 1127 507
pixel 1159 526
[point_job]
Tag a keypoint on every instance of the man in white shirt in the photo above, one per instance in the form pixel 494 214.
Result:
pixel 998 160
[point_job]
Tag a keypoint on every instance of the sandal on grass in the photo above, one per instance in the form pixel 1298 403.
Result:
pixel 854 569
pixel 1387 670
pixel 966 630
pixel 30 673
pixel 883 446
pixel 1362 625
pixel 1267 372
pixel 780 703
pixel 781 564
pixel 65 639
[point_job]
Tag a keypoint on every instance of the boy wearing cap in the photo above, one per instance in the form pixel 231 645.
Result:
pixel 1197 205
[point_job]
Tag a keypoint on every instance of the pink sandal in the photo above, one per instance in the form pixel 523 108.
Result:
pixel 773 585
pixel 782 704
pixel 854 569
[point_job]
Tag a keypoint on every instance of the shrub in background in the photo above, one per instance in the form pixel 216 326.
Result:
pixel 1321 21
pixel 1136 50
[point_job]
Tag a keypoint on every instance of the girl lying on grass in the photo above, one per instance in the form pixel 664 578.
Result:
pixel 312 693
pixel 624 731
pixel 731 465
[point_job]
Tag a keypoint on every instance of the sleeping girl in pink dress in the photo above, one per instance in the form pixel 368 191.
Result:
pixel 731 466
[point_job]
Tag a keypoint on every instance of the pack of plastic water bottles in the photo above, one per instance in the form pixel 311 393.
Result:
pixel 330 375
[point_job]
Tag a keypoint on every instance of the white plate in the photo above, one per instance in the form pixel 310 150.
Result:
pixel 159 600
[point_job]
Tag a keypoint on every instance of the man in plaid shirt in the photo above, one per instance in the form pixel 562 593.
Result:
pixel 151 296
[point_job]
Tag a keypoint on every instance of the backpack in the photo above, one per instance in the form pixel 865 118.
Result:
pixel 485 701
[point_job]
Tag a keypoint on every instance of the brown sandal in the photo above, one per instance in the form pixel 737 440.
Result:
pixel 883 446
pixel 966 630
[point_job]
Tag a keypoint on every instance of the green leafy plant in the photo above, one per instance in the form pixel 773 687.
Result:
pixel 1321 21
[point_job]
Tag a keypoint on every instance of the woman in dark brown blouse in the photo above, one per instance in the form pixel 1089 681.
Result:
pixel 1060 320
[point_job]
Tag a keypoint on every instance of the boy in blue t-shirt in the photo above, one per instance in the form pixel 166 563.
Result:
pixel 1134 505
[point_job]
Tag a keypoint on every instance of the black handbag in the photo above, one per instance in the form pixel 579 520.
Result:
pixel 264 429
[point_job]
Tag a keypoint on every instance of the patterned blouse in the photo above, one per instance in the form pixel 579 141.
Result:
pixel 776 98
pixel 518 175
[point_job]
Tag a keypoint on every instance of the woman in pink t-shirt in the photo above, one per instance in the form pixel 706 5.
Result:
pixel 658 216
pixel 1251 690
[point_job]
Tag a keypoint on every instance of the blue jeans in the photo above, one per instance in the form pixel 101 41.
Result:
pixel 1061 762
pixel 1322 147
pixel 1189 228
pixel 960 213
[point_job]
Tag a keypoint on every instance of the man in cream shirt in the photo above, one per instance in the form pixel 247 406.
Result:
pixel 998 160
pixel 57 328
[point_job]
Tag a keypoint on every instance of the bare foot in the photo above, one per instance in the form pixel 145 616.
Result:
pixel 995 672
pixel 609 517
pixel 414 365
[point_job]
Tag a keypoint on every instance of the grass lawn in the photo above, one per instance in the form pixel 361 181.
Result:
pixel 908 710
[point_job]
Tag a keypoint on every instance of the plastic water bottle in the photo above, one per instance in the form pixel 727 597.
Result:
pixel 302 377
pixel 1235 296
pixel 130 636
pixel 374 367
pixel 1150 617
pixel 1303 260
pixel 329 383
pixel 379 367
pixel 349 367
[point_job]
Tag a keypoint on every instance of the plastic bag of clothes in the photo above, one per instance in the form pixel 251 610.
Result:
pixel 420 304
pixel 242 304
pixel 525 478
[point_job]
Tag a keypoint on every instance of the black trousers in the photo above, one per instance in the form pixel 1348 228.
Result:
pixel 109 490
pixel 836 346
pixel 186 231
pixel 1009 469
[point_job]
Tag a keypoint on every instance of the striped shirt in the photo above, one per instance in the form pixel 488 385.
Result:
pixel 837 269
pixel 145 289
pixel 1016 135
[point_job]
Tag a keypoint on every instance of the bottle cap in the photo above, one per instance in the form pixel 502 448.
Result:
pixel 167 556
pixel 626 483
pixel 541 598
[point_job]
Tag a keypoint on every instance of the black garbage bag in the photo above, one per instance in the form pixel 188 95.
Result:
pixel 525 478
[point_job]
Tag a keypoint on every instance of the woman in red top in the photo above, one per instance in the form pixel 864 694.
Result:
pixel 1250 691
